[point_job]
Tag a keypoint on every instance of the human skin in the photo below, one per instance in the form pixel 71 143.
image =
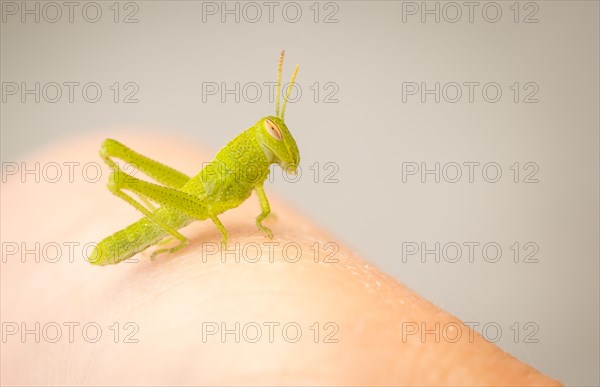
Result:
pixel 173 302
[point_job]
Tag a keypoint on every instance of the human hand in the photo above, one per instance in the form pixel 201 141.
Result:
pixel 161 322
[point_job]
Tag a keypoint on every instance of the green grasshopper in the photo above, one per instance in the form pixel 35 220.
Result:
pixel 238 169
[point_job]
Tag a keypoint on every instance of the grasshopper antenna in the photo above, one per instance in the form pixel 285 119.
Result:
pixel 279 68
pixel 289 90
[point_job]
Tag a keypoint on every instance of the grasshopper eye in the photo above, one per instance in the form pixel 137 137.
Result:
pixel 273 130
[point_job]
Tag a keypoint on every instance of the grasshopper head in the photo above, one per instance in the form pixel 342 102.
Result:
pixel 273 135
pixel 277 142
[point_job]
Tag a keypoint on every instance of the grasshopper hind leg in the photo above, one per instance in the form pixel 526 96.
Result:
pixel 180 246
pixel 115 185
pixel 120 181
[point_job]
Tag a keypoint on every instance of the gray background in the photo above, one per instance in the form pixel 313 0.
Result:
pixel 364 56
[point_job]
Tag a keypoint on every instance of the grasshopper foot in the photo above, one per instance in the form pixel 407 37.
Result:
pixel 264 229
pixel 180 246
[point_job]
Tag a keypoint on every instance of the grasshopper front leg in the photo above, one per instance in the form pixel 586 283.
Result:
pixel 266 210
